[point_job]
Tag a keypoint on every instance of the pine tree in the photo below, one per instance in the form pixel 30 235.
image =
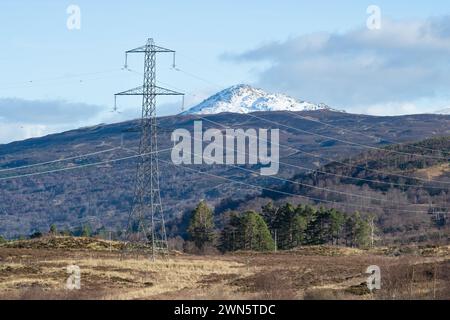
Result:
pixel 285 226
pixel 310 214
pixel 86 231
pixel 229 237
pixel 269 213
pixel 300 226
pixel 362 231
pixel 53 229
pixel 337 220
pixel 201 226
pixel 357 231
pixel 349 231
pixel 254 233
pixel 316 227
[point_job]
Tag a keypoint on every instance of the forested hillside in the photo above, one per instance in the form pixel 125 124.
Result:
pixel 405 186
pixel 35 197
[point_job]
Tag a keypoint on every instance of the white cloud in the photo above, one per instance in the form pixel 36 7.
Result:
pixel 46 111
pixel 404 62
pixel 392 109
pixel 14 131
pixel 22 119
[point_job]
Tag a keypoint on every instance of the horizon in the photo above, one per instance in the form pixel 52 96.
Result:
pixel 207 115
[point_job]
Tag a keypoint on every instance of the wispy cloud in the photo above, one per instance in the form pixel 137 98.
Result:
pixel 406 63
pixel 22 119
pixel 46 112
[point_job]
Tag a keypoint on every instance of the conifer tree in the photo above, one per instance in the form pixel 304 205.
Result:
pixel 254 233
pixel 349 231
pixel 285 226
pixel 86 231
pixel 362 231
pixel 357 231
pixel 229 237
pixel 337 220
pixel 300 226
pixel 53 230
pixel 201 226
pixel 269 213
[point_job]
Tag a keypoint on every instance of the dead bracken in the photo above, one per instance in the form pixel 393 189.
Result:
pixel 30 270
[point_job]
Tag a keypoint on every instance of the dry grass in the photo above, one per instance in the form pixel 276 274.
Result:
pixel 327 251
pixel 434 171
pixel 66 243
pixel 412 279
pixel 117 277
pixel 29 271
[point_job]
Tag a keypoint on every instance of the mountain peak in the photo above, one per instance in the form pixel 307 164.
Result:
pixel 241 86
pixel 243 98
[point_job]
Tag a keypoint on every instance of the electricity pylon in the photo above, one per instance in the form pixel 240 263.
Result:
pixel 146 221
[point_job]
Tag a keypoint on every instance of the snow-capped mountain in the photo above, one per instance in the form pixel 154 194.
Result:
pixel 245 99
pixel 443 111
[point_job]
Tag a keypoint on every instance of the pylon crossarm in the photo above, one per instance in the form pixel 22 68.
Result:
pixel 145 49
pixel 149 48
pixel 139 91
pixel 156 49
pixel 131 92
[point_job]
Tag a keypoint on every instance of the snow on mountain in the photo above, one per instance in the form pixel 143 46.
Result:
pixel 245 99
pixel 443 111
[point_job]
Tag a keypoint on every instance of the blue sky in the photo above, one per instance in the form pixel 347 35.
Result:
pixel 50 74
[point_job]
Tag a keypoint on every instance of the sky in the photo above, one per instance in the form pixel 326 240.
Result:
pixel 55 78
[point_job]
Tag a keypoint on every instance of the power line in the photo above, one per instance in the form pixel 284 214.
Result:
pixel 317 121
pixel 226 178
pixel 59 160
pixel 251 171
pixel 323 189
pixel 195 77
pixel 38 82
pixel 264 120
pixel 282 192
pixel 332 160
pixel 347 142
pixel 112 149
pixel 81 221
pixel 317 134
pixel 355 132
pixel 167 85
pixel 334 174
pixel 342 163
pixel 79 166
pixel 299 183
pixel 216 70
pixel 186 92
pixel 328 173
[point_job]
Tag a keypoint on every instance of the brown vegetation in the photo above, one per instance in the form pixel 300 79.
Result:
pixel 30 271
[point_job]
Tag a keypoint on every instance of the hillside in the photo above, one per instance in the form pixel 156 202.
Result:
pixel 404 191
pixel 101 195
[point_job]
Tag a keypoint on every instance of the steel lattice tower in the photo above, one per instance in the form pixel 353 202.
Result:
pixel 146 221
